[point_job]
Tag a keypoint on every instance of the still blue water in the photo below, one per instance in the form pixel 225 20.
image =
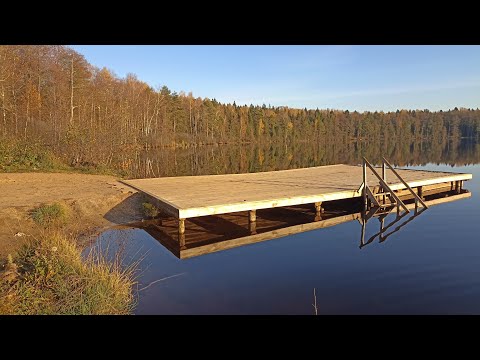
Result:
pixel 431 266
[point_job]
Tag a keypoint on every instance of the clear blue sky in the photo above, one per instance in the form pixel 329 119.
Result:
pixel 340 77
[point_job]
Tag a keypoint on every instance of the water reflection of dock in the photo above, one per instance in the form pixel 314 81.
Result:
pixel 209 234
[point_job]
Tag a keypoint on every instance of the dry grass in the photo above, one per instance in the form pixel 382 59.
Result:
pixel 49 276
pixel 53 214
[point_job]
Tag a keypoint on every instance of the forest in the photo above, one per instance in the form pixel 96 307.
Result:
pixel 50 95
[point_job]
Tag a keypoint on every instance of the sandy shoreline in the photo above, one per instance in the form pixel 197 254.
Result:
pixel 96 203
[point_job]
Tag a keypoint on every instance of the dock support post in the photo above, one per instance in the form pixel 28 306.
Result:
pixel 420 192
pixel 252 216
pixel 181 232
pixel 457 187
pixel 318 208
pixel 252 221
pixel 318 211
pixel 252 227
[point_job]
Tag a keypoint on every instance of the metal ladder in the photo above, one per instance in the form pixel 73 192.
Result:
pixel 370 199
pixel 373 207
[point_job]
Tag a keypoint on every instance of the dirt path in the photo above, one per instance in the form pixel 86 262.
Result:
pixel 96 201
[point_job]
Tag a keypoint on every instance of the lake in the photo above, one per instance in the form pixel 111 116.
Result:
pixel 430 266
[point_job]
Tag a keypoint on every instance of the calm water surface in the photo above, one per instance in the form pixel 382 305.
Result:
pixel 431 266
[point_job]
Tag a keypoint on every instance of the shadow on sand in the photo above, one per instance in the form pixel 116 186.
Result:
pixel 129 210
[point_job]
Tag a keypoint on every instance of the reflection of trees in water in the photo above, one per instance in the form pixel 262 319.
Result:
pixel 223 159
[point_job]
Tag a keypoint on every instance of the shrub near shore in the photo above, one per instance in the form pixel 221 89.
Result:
pixel 49 276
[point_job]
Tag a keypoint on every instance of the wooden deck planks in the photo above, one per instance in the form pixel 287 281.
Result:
pixel 192 196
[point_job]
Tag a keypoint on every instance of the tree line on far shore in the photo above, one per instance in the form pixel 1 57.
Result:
pixel 52 95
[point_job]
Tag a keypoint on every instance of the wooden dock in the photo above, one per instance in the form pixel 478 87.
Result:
pixel 195 196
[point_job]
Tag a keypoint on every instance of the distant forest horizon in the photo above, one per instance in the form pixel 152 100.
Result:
pixel 52 95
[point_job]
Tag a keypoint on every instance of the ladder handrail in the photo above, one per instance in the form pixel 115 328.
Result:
pixel 417 198
pixel 370 214
pixel 385 186
pixel 371 197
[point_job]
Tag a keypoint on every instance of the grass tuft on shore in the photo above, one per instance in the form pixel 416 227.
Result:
pixel 49 276
pixel 150 210
pixel 53 214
